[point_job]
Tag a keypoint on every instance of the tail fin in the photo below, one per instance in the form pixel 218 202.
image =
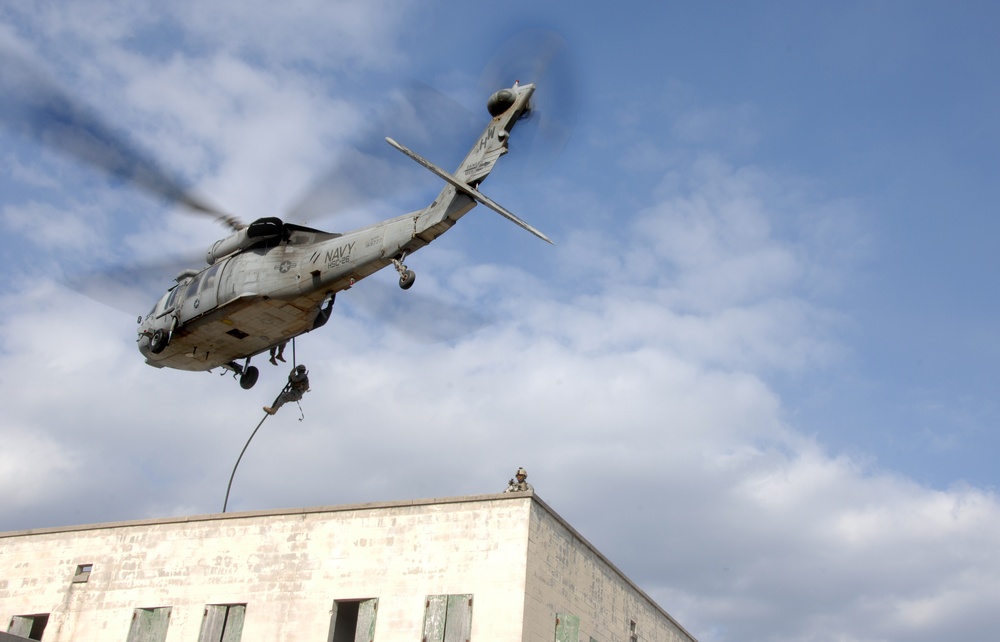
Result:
pixel 461 195
pixel 507 107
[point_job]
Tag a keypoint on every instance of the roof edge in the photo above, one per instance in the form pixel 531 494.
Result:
pixel 306 510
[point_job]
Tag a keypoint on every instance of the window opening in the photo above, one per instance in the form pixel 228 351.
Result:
pixel 83 572
pixel 447 618
pixel 567 628
pixel 222 623
pixel 149 624
pixel 28 626
pixel 353 620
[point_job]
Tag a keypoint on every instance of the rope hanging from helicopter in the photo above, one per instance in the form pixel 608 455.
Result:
pixel 238 459
pixel 295 365
pixel 287 388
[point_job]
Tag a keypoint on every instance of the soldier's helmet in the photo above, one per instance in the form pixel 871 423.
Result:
pixel 300 369
pixel 521 471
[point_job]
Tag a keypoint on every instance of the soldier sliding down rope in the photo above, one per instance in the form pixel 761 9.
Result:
pixel 298 385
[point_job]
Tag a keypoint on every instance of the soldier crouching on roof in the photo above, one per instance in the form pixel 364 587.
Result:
pixel 521 485
pixel 298 385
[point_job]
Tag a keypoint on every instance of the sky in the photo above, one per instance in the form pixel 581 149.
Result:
pixel 757 370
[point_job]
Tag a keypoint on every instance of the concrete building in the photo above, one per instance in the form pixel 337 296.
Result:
pixel 500 567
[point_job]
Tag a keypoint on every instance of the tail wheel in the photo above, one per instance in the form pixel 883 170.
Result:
pixel 249 377
pixel 158 341
pixel 406 279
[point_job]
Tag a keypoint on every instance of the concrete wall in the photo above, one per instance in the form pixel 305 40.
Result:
pixel 288 567
pixel 569 577
pixel 521 563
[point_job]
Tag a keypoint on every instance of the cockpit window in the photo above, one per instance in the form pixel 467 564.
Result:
pixel 173 297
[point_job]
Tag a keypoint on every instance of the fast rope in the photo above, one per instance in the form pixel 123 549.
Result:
pixel 295 362
pixel 230 486
pixel 302 416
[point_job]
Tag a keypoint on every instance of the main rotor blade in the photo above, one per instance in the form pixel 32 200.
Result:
pixel 369 173
pixel 131 288
pixel 443 129
pixel 39 110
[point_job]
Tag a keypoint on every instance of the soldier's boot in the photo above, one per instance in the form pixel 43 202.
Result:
pixel 269 410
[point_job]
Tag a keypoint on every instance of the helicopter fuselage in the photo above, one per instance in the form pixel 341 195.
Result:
pixel 248 302
pixel 274 281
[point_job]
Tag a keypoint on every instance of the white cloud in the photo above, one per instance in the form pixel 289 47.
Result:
pixel 52 227
pixel 32 466
pixel 334 34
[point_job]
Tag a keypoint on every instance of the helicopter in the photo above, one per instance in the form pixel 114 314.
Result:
pixel 271 281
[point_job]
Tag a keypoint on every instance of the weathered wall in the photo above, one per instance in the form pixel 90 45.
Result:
pixel 567 576
pixel 288 567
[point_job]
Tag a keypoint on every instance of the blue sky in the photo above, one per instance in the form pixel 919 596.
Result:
pixel 758 369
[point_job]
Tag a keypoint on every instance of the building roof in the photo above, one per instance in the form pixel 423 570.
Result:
pixel 366 506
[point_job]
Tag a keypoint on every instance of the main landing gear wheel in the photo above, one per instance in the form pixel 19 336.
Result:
pixel 158 341
pixel 249 377
pixel 406 275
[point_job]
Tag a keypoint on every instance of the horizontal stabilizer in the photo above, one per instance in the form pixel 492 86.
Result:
pixel 469 190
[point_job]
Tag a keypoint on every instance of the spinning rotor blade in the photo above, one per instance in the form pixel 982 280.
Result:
pixel 370 173
pixel 542 57
pixel 131 288
pixel 441 128
pixel 37 109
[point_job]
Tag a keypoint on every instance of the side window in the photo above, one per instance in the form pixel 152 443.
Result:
pixel 149 625
pixel 353 620
pixel 28 626
pixel 222 623
pixel 192 288
pixel 208 278
pixel 82 574
pixel 447 618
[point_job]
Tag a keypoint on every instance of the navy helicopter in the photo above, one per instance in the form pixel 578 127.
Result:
pixel 271 281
